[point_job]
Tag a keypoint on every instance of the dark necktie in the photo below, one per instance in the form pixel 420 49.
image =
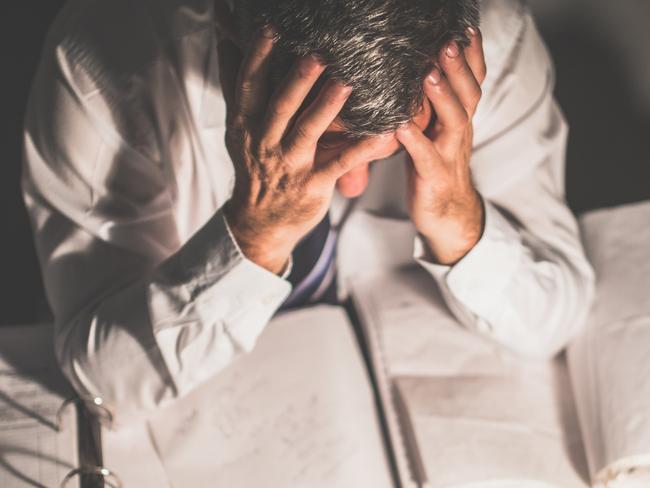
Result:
pixel 313 275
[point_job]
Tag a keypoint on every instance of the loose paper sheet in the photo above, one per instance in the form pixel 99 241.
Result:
pixel 32 451
pixel 297 411
pixel 609 362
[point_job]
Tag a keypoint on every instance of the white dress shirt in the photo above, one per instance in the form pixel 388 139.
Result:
pixel 126 172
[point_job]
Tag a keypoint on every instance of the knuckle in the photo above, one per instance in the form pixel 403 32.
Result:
pixel 232 136
pixel 237 136
pixel 237 126
pixel 261 152
pixel 246 86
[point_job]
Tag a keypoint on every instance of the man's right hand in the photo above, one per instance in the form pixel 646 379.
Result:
pixel 283 184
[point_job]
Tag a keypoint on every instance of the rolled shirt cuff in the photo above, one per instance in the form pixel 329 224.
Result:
pixel 209 288
pixel 288 267
pixel 480 278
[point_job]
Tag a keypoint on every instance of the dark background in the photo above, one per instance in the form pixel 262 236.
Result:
pixel 602 53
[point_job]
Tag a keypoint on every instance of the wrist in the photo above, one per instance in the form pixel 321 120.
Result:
pixel 276 263
pixel 272 258
pixel 451 239
pixel 256 246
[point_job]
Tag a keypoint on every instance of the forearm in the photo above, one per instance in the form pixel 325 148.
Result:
pixel 455 237
pixel 527 282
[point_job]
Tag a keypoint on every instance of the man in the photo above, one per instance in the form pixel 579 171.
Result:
pixel 165 251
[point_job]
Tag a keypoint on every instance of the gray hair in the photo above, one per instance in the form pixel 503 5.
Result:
pixel 382 48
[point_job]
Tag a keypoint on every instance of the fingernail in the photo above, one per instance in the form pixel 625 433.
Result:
pixel 452 50
pixel 345 89
pixel 434 77
pixel 268 32
pixel 471 31
pixel 312 60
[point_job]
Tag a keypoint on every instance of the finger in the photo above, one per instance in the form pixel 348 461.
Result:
pixel 289 97
pixel 426 159
pixel 361 152
pixel 252 85
pixel 475 55
pixel 452 118
pixel 225 21
pixel 313 122
pixel 229 62
pixel 461 78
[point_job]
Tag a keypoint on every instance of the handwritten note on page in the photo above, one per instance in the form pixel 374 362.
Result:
pixel 298 411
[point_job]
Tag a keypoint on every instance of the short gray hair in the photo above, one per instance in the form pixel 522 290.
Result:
pixel 382 48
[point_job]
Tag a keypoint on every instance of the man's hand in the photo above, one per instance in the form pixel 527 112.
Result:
pixel 283 185
pixel 443 203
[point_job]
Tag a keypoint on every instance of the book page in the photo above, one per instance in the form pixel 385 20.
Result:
pixel 133 441
pixel 472 430
pixel 419 335
pixel 427 352
pixel 297 411
pixel 33 451
pixel 609 361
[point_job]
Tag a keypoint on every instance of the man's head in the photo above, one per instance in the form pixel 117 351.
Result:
pixel 383 49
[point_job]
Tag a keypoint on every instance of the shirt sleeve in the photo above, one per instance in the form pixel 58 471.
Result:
pixel 140 318
pixel 527 283
pixel 131 337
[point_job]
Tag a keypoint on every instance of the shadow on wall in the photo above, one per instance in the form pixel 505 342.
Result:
pixel 23 32
pixel 608 160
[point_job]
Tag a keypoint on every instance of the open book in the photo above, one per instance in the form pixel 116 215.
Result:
pixel 437 406
pixel 396 395
pixel 463 412
pixel 467 413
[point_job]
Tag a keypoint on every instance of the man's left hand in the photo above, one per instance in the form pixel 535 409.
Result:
pixel 443 203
